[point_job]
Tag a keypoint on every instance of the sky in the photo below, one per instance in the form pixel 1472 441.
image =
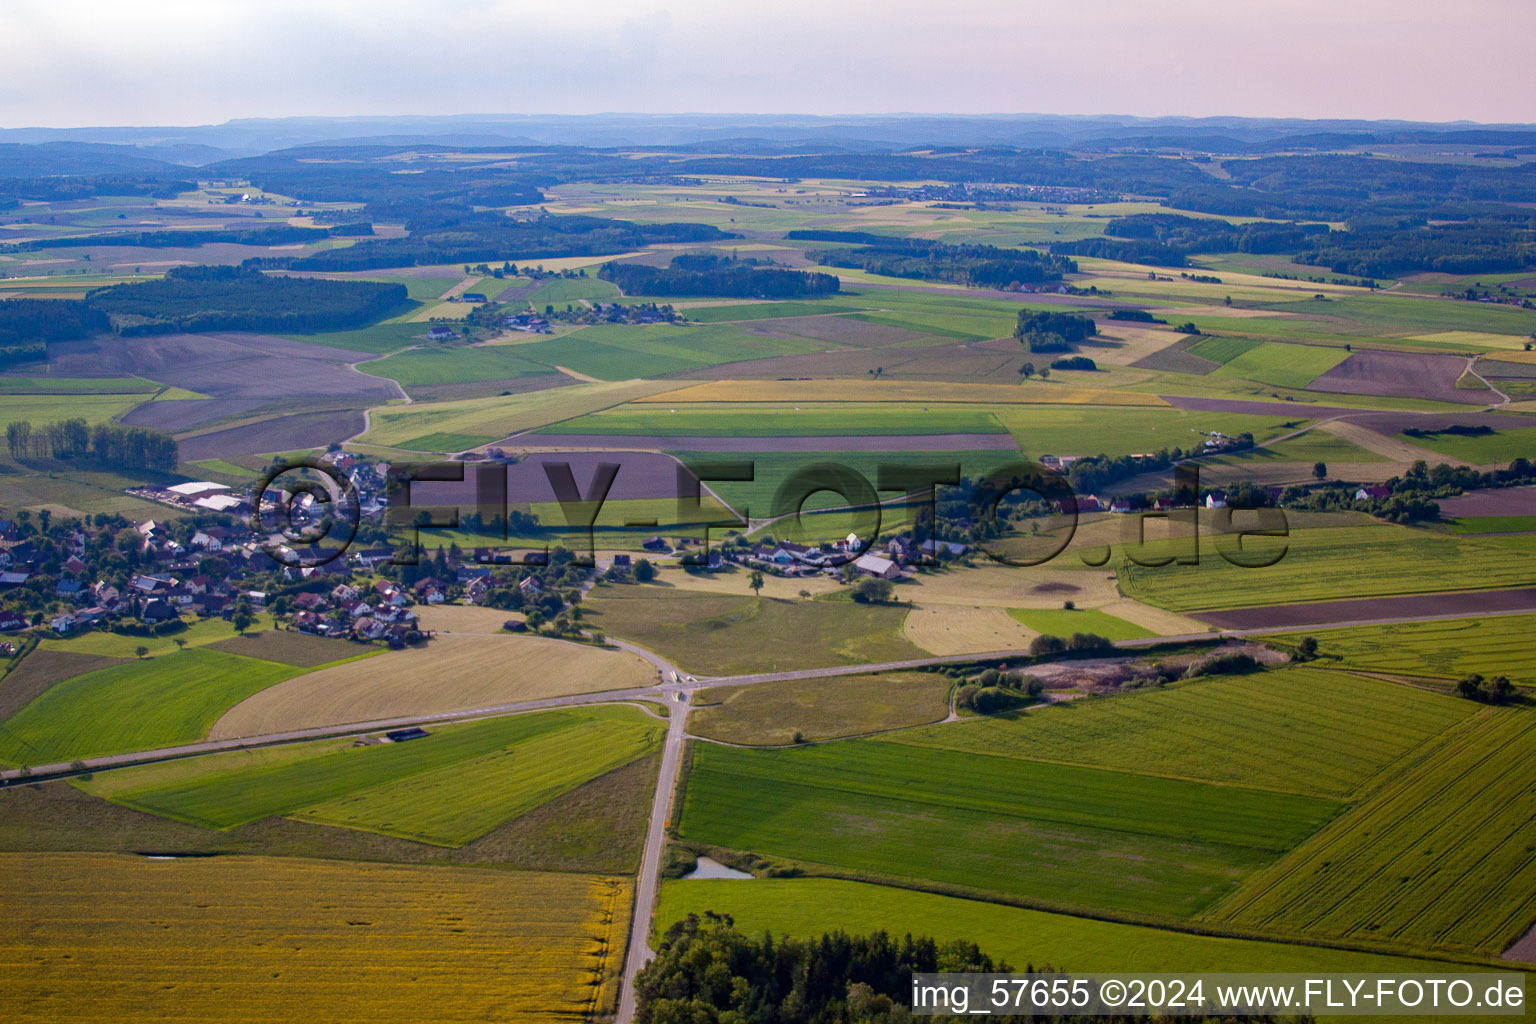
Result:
pixel 71 63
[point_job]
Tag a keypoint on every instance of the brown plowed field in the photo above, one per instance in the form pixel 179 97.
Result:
pixel 1402 374
pixel 1329 613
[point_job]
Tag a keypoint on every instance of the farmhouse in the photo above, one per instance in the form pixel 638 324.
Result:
pixel 440 333
pixel 1374 492
pixel 874 565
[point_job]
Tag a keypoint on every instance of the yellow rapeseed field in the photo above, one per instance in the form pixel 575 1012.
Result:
pixel 114 938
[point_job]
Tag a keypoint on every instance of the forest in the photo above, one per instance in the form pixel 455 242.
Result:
pixel 243 299
pixel 1165 239
pixel 695 274
pixel 271 234
pixel 983 266
pixel 27 325
pixel 442 233
pixel 1053 332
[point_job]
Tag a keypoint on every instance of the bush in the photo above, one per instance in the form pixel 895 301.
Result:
pixel 1074 363
pixel 1089 642
pixel 1045 644
pixel 1231 663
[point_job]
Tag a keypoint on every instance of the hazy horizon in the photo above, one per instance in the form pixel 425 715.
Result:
pixel 88 63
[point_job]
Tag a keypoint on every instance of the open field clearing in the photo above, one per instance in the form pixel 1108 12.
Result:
pixel 39 672
pixel 254 940
pixel 236 367
pixel 734 583
pixel 1476 339
pixel 1122 344
pixel 1299 730
pixel 228 790
pixel 197 634
pixel 462 618
pixel 1006 586
pixel 648 419
pixel 1502 446
pixel 1449 873
pixel 861 391
pixel 806 907
pixel 1395 448
pixel 961 629
pixel 77 386
pixel 1063 622
pixel 625 351
pixel 1378 372
pixel 1288 366
pixel 451 673
pixel 425 367
pixel 1050 833
pixel 1156 621
pixel 493 418
pixel 48 408
pixel 290 647
pixel 773 714
pixel 1499 502
pixel 1116 431
pixel 1448 649
pixel 1383 560
pixel 454 805
pixel 722 635
pixel 139 705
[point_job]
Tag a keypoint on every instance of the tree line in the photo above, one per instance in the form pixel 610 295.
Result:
pixel 270 234
pixel 981 266
pixel 718 275
pixel 107 445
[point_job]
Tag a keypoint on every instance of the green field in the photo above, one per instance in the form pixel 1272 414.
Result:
pixel 501 415
pixel 1299 730
pixel 48 408
pixel 624 352
pixel 760 311
pixel 1500 446
pixel 453 805
pixel 141 705
pixel 1063 623
pixel 1054 834
pixel 768 420
pixel 423 367
pixel 816 709
pixel 1494 524
pixel 1448 649
pixel 1287 366
pixel 721 634
pixel 77 386
pixel 223 791
pixel 561 291
pixel 1438 858
pixel 446 442
pixel 1088 430
pixel 1381 560
pixel 1220 349
pixel 196 634
pixel 806 907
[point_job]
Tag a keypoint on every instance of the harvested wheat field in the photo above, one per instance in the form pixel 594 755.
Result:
pixel 1006 586
pixel 107 937
pixel 960 629
pixel 451 673
pixel 1158 620
pixel 786 587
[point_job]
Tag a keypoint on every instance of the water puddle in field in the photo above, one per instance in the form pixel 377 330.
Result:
pixel 709 868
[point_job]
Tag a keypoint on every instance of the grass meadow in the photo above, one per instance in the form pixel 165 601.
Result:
pixel 771 714
pixel 1298 730
pixel 1052 834
pixel 1449 649
pixel 1438 857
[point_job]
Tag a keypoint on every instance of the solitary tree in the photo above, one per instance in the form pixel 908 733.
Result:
pixel 1045 372
pixel 1320 470
pixel 755 581
pixel 644 571
pixel 1307 649
pixel 180 643
pixel 241 619
pixel 140 651
pixel 806 594
pixel 1028 370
